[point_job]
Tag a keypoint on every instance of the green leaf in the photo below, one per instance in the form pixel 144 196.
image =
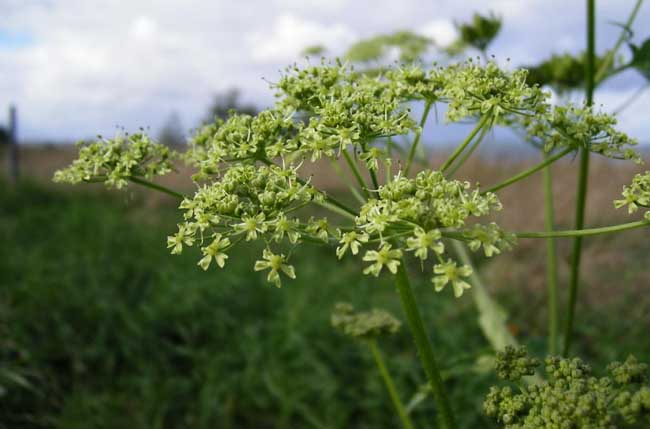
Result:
pixel 641 58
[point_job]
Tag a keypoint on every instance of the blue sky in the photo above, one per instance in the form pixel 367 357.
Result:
pixel 77 68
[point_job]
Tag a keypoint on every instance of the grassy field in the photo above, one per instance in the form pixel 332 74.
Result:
pixel 100 327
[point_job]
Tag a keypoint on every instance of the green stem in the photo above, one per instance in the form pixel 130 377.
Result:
pixel 357 174
pixel 418 136
pixel 548 161
pixel 583 176
pixel 327 204
pixel 157 187
pixel 353 190
pixel 425 350
pixel 584 232
pixel 373 177
pixel 469 153
pixel 390 386
pixel 465 143
pixel 551 261
pixel 609 58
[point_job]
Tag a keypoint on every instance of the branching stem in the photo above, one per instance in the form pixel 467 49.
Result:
pixel 156 187
pixel 418 136
pixel 466 142
pixel 532 170
pixel 357 174
pixel 584 232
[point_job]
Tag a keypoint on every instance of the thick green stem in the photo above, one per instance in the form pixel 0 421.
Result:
pixel 357 174
pixel 390 386
pixel 551 262
pixel 466 142
pixel 583 176
pixel 157 187
pixel 425 350
pixel 516 178
pixel 584 232
pixel 418 136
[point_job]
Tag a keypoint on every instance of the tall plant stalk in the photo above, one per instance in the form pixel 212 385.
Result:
pixel 390 385
pixel 551 261
pixel 425 349
pixel 583 176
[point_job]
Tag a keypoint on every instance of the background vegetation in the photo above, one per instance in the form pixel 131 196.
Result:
pixel 101 327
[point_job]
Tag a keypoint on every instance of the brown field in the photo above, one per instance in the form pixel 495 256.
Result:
pixel 523 202
pixel 606 261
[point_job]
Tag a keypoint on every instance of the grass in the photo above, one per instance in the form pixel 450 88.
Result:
pixel 101 327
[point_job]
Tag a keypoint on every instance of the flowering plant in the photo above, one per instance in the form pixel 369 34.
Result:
pixel 251 185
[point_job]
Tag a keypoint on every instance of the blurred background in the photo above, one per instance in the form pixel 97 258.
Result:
pixel 100 327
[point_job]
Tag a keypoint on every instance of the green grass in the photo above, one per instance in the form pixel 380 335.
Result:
pixel 100 327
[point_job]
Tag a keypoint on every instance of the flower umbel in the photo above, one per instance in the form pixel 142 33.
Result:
pixel 365 324
pixel 637 194
pixel 385 256
pixel 571 396
pixel 423 240
pixel 448 272
pixel 214 251
pixel 350 240
pixel 277 264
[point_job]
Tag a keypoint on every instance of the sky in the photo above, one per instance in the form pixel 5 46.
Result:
pixel 78 68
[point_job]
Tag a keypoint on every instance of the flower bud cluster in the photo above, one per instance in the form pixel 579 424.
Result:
pixel 514 363
pixel 249 202
pixel 365 324
pixel 580 127
pixel 571 397
pixel 472 89
pixel 249 187
pixel 114 161
pixel 410 215
pixel 243 137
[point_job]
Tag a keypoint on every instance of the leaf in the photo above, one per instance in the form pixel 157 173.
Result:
pixel 641 58
pixel 423 393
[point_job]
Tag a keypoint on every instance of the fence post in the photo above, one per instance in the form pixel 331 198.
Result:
pixel 14 160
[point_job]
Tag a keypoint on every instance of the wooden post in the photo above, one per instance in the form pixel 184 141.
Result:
pixel 13 144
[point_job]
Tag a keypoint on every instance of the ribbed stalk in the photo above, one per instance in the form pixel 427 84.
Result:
pixel 583 175
pixel 425 350
pixel 551 261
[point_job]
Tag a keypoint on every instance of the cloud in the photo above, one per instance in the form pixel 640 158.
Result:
pixel 290 34
pixel 442 31
pixel 84 66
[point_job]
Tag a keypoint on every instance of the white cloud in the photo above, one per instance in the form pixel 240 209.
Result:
pixel 94 64
pixel 144 28
pixel 442 31
pixel 290 34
